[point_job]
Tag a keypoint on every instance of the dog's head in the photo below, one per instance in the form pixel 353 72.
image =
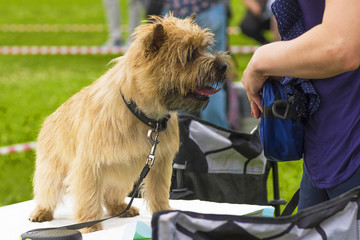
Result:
pixel 174 59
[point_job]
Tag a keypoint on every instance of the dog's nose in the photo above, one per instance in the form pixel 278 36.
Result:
pixel 221 67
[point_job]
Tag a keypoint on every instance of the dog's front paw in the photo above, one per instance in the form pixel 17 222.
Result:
pixel 93 228
pixel 131 212
pixel 41 215
pixel 160 207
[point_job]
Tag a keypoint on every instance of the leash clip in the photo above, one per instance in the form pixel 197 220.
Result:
pixel 152 135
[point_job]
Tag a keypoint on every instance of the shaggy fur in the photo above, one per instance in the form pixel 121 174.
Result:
pixel 94 148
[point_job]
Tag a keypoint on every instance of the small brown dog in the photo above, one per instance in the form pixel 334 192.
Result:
pixel 94 147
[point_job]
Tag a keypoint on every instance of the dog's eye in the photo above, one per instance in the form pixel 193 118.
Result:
pixel 191 55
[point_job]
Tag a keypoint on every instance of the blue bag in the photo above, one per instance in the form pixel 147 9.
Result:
pixel 281 130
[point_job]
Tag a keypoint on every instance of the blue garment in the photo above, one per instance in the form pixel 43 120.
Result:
pixel 289 18
pixel 215 19
pixel 291 25
pixel 310 195
pixel 184 8
pixel 332 135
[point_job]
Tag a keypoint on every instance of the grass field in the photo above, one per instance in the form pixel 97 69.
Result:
pixel 34 86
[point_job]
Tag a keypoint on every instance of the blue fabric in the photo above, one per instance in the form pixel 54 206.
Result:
pixel 310 195
pixel 305 93
pixel 282 139
pixel 289 18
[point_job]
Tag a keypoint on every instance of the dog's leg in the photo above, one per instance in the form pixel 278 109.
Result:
pixel 85 185
pixel 48 187
pixel 114 201
pixel 157 185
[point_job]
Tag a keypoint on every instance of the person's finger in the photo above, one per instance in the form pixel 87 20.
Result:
pixel 255 111
pixel 257 101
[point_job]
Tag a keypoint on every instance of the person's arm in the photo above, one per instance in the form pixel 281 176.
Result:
pixel 328 49
pixel 253 6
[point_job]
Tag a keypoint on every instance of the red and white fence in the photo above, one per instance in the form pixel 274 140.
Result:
pixel 59 50
pixel 71 28
pixel 17 148
pixel 80 50
pixel 52 28
pixel 89 50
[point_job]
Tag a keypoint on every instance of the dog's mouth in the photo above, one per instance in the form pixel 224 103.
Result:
pixel 203 93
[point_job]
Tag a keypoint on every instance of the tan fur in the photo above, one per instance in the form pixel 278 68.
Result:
pixel 94 148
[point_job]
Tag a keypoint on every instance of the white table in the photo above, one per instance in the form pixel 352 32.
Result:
pixel 14 218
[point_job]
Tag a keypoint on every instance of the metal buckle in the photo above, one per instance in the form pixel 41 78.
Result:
pixel 152 135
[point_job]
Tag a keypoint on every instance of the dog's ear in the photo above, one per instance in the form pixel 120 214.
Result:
pixel 193 17
pixel 157 38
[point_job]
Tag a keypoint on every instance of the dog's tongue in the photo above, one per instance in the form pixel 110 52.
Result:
pixel 207 90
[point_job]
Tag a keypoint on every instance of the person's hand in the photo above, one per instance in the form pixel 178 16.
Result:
pixel 253 82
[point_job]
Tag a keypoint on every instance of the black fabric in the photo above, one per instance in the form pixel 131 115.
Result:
pixel 255 27
pixel 199 183
pixel 311 218
pixel 248 145
pixel 154 7
pixel 189 151
pixel 228 231
pixel 230 188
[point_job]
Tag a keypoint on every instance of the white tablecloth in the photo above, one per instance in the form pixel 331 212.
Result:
pixel 14 218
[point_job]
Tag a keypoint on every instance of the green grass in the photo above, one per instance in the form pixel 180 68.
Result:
pixel 52 38
pixel 51 12
pixel 32 87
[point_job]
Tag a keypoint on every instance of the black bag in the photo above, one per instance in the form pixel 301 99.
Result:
pixel 218 164
pixel 334 219
pixel 154 7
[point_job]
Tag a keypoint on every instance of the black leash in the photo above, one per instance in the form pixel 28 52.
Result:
pixel 70 232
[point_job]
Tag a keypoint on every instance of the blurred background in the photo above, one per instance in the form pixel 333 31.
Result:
pixel 33 85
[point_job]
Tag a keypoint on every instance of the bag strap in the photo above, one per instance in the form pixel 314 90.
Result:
pixel 281 109
pixel 290 207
